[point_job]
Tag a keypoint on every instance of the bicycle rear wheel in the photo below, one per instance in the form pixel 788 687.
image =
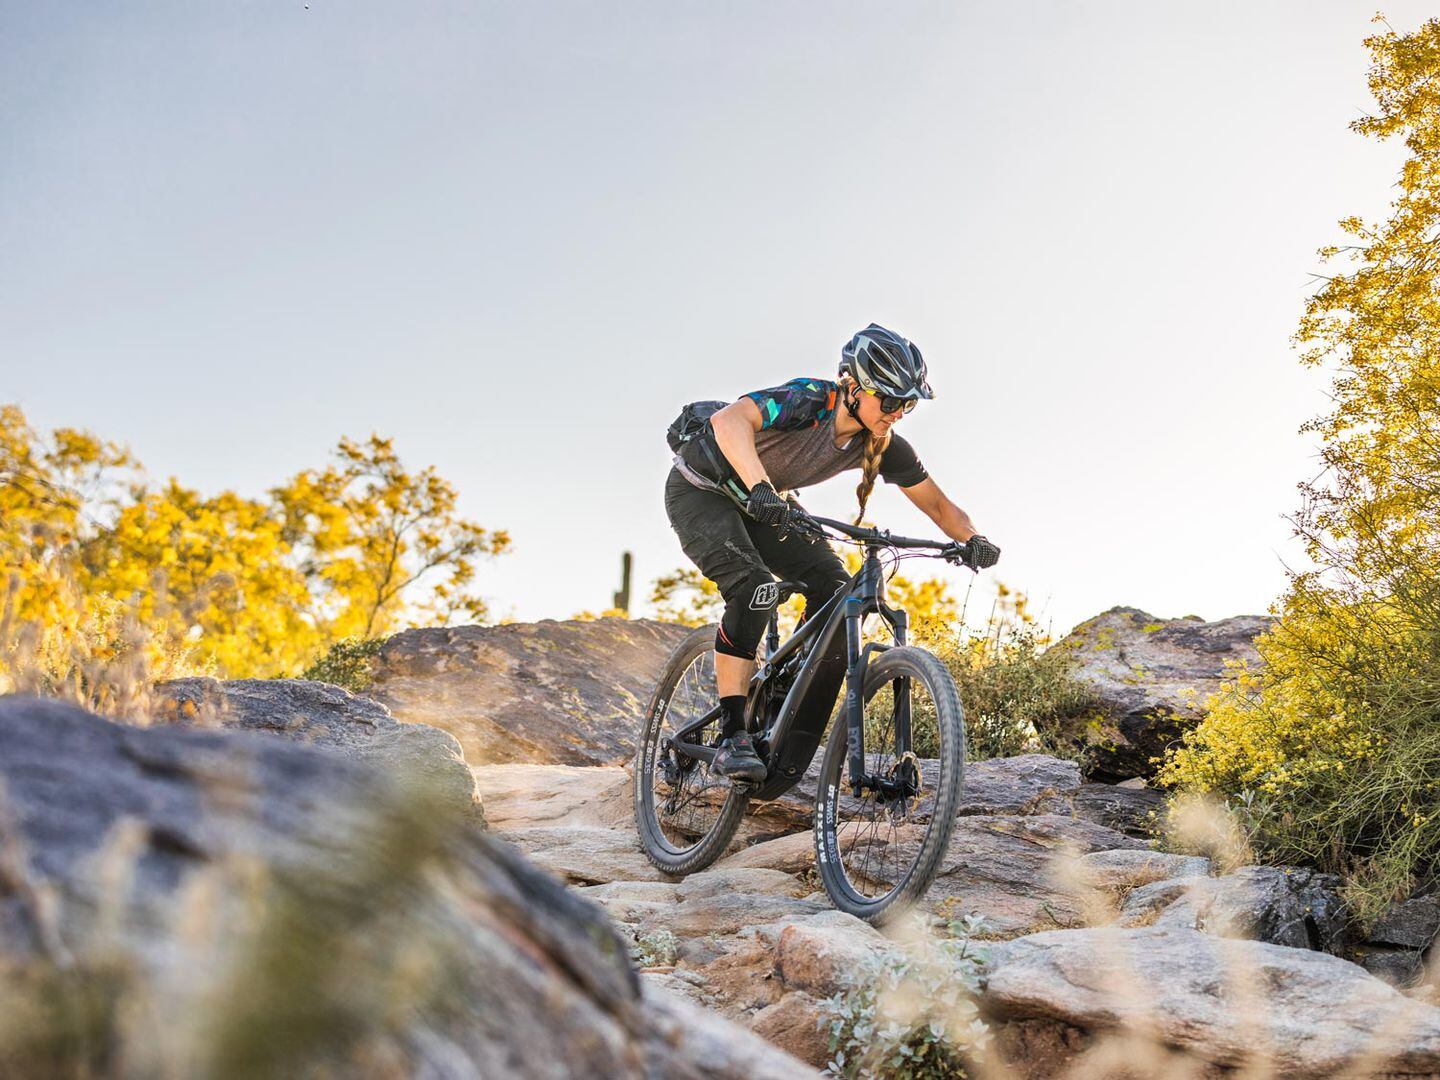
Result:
pixel 686 816
pixel 878 853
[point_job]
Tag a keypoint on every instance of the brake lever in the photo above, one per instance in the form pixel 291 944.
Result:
pixel 956 557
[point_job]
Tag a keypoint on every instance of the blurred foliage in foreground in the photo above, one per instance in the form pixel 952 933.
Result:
pixel 267 971
pixel 106 574
pixel 1330 754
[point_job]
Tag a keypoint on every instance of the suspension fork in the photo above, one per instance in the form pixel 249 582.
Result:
pixel 854 693
pixel 856 662
pixel 899 624
pixel 867 598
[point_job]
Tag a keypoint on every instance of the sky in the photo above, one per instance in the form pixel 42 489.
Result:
pixel 517 237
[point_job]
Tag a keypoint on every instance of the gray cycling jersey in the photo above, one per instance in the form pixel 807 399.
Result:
pixel 796 444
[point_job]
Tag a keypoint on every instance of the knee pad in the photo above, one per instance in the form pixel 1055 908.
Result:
pixel 748 607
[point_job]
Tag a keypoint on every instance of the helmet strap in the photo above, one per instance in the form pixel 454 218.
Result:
pixel 852 401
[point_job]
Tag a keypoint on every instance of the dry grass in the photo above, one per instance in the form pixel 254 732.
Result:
pixel 91 651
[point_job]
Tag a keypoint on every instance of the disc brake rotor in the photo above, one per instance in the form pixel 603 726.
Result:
pixel 905 774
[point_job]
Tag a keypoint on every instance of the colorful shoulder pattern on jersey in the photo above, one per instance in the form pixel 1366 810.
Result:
pixel 799 403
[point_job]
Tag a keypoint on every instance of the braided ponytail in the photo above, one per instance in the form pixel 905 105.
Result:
pixel 869 469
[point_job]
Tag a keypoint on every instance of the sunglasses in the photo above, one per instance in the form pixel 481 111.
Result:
pixel 890 404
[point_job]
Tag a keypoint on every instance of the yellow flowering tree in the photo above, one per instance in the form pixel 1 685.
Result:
pixel 216 572
pixel 101 570
pixel 382 546
pixel 1333 748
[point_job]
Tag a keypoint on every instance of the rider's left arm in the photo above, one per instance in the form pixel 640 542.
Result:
pixel 953 521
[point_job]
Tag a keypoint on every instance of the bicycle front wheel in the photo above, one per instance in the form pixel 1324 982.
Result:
pixel 686 815
pixel 878 852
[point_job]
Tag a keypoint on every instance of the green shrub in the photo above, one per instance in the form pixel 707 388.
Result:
pixel 349 664
pixel 911 1015
pixel 1018 696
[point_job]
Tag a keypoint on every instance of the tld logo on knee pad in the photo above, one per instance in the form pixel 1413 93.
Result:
pixel 765 597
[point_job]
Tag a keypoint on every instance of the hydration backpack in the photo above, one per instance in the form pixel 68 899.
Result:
pixel 692 438
pixel 692 421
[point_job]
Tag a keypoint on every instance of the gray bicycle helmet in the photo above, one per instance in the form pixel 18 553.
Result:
pixel 883 362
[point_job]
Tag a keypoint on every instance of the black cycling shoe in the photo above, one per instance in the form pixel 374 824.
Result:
pixel 736 758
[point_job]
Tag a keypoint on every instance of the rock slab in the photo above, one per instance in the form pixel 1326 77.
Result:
pixel 329 717
pixel 1228 1002
pixel 563 693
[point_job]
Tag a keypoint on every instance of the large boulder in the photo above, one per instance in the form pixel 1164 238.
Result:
pixel 207 902
pixel 327 716
pixel 1261 1008
pixel 567 693
pixel 1150 677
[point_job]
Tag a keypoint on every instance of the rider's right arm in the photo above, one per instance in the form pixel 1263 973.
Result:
pixel 735 427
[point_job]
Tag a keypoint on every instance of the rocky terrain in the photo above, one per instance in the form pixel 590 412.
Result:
pixel 278 876
pixel 569 692
pixel 225 903
pixel 1064 897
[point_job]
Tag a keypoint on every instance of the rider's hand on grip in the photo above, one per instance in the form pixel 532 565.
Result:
pixel 980 553
pixel 765 505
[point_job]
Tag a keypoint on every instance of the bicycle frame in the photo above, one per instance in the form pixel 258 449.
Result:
pixel 793 736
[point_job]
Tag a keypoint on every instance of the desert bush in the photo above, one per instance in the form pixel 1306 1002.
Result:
pixel 911 1015
pixel 1330 754
pixel 349 664
pixel 655 948
pixel 1017 693
pixel 92 650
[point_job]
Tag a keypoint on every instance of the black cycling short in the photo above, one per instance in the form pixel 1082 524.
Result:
pixel 743 558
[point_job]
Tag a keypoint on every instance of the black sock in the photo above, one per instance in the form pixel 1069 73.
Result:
pixel 732 715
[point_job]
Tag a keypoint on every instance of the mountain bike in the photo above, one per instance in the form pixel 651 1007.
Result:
pixel 883 812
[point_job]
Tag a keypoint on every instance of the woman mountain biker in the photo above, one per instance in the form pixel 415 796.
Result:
pixel 725 503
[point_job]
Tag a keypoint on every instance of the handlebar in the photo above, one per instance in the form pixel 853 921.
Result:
pixel 881 536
